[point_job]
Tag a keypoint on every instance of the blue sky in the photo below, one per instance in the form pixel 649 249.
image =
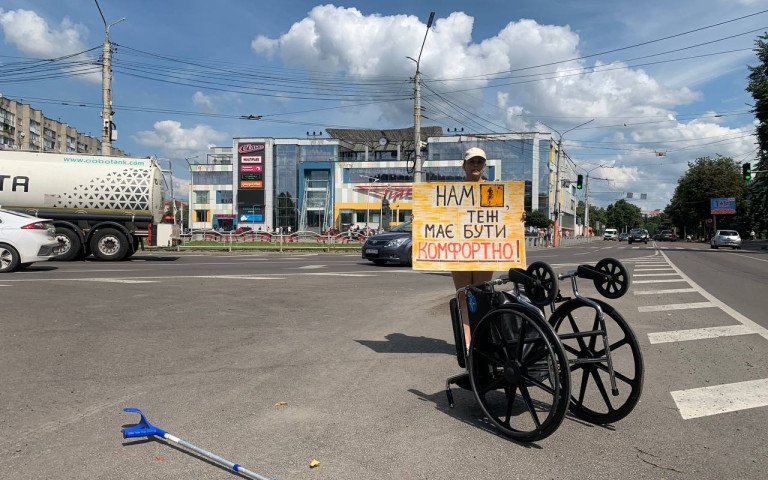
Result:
pixel 186 70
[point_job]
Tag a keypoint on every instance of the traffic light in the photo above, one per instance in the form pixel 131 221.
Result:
pixel 746 171
pixel 579 181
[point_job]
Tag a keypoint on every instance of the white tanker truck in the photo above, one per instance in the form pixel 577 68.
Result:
pixel 105 206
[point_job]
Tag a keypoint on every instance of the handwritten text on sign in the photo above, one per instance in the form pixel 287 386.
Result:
pixel 468 226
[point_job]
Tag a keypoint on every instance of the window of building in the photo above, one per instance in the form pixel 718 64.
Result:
pixel 224 196
pixel 201 196
pixel 212 178
pixel 201 215
pixel 404 215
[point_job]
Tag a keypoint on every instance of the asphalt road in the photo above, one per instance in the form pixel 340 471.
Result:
pixel 207 345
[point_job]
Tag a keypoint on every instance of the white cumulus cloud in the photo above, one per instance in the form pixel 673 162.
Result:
pixel 170 138
pixel 32 35
pixel 202 100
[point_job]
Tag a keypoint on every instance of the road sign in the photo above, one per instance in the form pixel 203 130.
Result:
pixel 722 205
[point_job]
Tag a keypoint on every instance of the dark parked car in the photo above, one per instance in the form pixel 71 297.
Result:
pixel 638 235
pixel 623 236
pixel 667 236
pixel 392 246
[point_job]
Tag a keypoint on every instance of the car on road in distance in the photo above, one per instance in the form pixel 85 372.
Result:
pixel 667 236
pixel 24 239
pixel 610 234
pixel 726 238
pixel 392 246
pixel 638 235
pixel 623 236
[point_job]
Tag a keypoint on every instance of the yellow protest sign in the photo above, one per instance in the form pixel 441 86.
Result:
pixel 468 226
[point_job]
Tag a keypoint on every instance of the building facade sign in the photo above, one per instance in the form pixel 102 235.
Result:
pixel 250 187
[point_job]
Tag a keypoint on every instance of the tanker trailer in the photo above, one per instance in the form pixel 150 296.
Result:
pixel 104 206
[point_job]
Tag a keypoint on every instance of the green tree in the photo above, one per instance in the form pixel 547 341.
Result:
pixel 757 191
pixel 597 215
pixel 653 224
pixel 537 219
pixel 707 178
pixel 623 215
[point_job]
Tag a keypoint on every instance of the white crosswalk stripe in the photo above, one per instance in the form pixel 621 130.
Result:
pixel 669 290
pixel 731 397
pixel 698 334
pixel 675 306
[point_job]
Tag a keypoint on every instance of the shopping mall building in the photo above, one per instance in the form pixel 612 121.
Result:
pixel 341 180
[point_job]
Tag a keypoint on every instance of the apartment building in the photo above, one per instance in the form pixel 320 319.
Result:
pixel 25 128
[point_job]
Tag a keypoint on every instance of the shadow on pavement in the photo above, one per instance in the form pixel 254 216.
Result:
pixel 466 411
pixel 401 343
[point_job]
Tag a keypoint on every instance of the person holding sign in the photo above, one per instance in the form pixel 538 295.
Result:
pixel 474 165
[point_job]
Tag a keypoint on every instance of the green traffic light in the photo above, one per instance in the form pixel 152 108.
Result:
pixel 746 171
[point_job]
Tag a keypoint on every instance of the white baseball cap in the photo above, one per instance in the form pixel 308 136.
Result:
pixel 474 152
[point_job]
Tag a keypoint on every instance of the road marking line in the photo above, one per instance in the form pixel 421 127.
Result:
pixel 747 256
pixel 671 290
pixel 762 331
pixel 673 274
pixel 113 280
pixel 730 397
pixel 698 334
pixel 652 269
pixel 309 267
pixel 675 306
pixel 668 280
pixel 342 274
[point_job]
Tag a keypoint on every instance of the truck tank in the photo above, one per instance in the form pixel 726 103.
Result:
pixel 86 195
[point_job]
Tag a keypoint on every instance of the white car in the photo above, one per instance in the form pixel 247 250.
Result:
pixel 726 238
pixel 24 239
pixel 611 234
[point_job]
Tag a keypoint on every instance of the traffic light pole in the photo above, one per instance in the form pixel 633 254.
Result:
pixel 586 205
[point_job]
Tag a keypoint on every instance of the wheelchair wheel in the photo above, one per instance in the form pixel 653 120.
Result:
pixel 519 374
pixel 591 398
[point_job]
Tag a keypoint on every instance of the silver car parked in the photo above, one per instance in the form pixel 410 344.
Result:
pixel 726 238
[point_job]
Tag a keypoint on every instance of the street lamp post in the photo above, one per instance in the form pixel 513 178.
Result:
pixel 418 175
pixel 586 194
pixel 557 175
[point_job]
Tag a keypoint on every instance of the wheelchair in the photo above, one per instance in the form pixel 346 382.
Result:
pixel 526 370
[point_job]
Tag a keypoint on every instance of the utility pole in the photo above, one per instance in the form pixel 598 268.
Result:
pixel 106 87
pixel 586 204
pixel 586 193
pixel 557 176
pixel 418 174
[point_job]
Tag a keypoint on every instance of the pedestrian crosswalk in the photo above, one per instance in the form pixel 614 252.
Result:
pixel 706 400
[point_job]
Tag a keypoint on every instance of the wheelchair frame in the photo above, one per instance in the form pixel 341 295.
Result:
pixel 515 348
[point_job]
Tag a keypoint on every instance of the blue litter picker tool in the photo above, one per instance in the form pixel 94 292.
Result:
pixel 146 429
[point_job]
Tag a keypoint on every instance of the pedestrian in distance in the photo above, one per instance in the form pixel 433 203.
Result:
pixel 752 234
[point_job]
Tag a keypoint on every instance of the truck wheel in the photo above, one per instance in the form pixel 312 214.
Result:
pixel 69 247
pixel 9 258
pixel 109 244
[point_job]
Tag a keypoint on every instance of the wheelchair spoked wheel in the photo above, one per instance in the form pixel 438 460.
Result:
pixel 519 374
pixel 591 397
pixel 618 282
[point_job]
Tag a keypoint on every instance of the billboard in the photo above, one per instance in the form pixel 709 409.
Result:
pixel 250 185
pixel 722 206
pixel 468 226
